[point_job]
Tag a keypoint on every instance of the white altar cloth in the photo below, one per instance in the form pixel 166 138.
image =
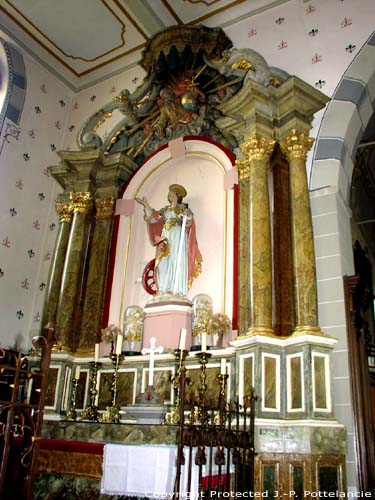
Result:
pixel 147 471
pixel 150 471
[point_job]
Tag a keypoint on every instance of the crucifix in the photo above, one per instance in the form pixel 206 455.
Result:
pixel 152 350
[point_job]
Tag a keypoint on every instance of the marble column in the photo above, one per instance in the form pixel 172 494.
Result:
pixel 295 146
pixel 95 288
pixel 255 256
pixel 57 264
pixel 82 205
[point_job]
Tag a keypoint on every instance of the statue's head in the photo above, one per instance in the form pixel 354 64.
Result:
pixel 178 190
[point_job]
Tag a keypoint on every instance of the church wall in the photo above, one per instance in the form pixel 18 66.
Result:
pixel 343 124
pixel 319 60
pixel 282 35
pixel 88 101
pixel 331 220
pixel 28 221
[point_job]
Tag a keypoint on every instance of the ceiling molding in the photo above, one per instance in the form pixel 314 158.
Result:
pixel 56 38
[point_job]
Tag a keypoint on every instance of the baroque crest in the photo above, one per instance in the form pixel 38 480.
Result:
pixel 191 73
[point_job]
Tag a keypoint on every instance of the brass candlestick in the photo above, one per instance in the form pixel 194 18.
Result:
pixel 173 416
pixel 112 413
pixel 202 413
pixel 91 411
pixel 72 414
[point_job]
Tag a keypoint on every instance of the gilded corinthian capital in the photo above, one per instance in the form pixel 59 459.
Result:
pixel 82 202
pixel 243 167
pixel 65 211
pixel 254 148
pixel 104 207
pixel 257 148
pixel 296 145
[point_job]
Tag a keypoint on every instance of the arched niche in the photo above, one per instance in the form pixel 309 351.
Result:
pixel 204 169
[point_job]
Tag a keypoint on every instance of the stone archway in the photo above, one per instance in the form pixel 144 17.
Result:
pixel 341 130
pixel 12 90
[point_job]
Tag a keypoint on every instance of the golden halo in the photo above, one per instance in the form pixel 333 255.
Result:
pixel 178 189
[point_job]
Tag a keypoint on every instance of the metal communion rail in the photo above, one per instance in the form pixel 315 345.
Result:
pixel 215 441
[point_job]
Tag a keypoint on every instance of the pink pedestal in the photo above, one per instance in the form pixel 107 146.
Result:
pixel 164 322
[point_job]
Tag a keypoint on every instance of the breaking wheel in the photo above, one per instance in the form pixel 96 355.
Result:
pixel 148 278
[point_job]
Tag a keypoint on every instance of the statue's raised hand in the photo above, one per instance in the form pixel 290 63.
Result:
pixel 143 201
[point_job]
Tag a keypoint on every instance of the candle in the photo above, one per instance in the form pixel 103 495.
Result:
pixel 119 344
pixel 29 389
pixel 182 343
pixel 223 366
pixel 204 342
pixel 77 372
pixel 96 352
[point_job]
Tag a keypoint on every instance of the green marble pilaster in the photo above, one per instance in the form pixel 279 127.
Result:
pixel 255 258
pixel 57 264
pixel 243 257
pixel 93 306
pixel 295 146
pixel 82 204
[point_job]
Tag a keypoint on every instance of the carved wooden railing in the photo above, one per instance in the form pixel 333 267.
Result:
pixel 22 395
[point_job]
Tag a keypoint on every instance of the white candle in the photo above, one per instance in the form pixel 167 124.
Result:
pixel 204 342
pixel 182 343
pixel 29 389
pixel 77 372
pixel 96 352
pixel 119 344
pixel 223 366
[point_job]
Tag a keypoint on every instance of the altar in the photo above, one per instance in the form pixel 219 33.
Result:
pixel 192 226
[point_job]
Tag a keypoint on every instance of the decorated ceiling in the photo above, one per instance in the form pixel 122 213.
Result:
pixel 82 41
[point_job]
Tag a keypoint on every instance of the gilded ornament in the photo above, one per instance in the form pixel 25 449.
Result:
pixel 259 330
pixel 258 148
pixel 65 210
pixel 275 82
pixel 104 207
pixel 82 202
pixel 243 167
pixel 296 145
pixel 101 121
pixel 123 97
pixel 242 64
pixel 308 330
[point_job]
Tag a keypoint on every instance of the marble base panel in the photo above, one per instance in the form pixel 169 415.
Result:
pixel 96 432
pixel 278 437
pixel 298 437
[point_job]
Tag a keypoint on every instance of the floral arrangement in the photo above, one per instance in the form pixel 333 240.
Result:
pixel 109 334
pixel 202 315
pixel 134 318
pixel 219 323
